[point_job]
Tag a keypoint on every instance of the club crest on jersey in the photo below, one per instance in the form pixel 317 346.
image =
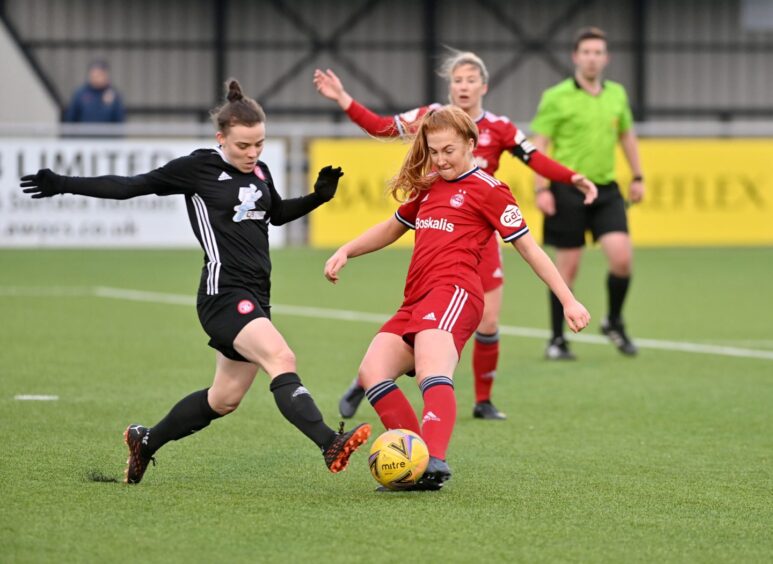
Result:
pixel 246 210
pixel 457 200
pixel 438 224
pixel 259 173
pixel 484 139
pixel 511 217
pixel 245 307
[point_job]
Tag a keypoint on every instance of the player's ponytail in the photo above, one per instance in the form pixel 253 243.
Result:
pixel 234 93
pixel 415 174
pixel 238 109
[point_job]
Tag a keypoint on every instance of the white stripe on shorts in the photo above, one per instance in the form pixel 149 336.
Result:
pixel 453 310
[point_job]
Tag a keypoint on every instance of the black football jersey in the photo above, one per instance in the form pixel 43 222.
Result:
pixel 229 211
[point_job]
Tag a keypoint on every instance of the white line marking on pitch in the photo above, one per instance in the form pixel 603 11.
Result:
pixel 30 397
pixel 140 296
pixel 46 291
pixel 348 315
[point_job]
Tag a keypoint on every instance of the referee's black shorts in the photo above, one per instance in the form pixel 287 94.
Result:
pixel 566 229
pixel 224 314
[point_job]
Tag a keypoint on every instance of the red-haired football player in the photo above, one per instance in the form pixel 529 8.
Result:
pixel 455 208
pixel 468 83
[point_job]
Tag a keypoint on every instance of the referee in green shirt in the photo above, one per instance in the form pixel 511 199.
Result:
pixel 583 118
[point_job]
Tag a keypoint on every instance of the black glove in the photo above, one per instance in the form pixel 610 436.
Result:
pixel 44 184
pixel 327 182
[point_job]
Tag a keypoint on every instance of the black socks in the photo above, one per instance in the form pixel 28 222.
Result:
pixel 190 414
pixel 556 316
pixel 617 288
pixel 193 413
pixel 298 407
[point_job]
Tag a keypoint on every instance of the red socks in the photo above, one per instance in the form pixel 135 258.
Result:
pixel 485 355
pixel 439 414
pixel 393 407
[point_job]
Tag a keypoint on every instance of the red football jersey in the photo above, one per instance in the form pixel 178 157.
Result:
pixel 496 134
pixel 454 220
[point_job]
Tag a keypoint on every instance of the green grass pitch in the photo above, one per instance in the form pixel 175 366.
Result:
pixel 664 458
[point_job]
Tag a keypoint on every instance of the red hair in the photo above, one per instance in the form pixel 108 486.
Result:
pixel 414 175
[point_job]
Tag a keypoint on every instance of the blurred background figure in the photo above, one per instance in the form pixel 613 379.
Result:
pixel 584 117
pixel 96 101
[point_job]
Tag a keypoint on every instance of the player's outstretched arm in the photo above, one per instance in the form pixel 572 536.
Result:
pixel 329 85
pixel 284 211
pixel 550 169
pixel 46 183
pixel 577 317
pixel 375 238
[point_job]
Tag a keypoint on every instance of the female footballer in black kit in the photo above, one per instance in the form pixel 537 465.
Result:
pixel 231 199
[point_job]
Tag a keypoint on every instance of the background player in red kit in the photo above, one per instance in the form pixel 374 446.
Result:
pixel 468 83
pixel 455 208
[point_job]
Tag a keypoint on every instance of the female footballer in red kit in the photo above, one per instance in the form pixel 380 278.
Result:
pixel 467 85
pixel 455 208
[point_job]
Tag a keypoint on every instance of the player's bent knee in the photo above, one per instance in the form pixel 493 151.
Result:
pixel 226 408
pixel 224 405
pixel 369 375
pixel 489 325
pixel 278 362
pixel 621 266
pixel 366 377
pixel 285 358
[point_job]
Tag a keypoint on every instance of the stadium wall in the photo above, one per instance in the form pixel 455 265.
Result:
pixel 691 59
pixel 22 97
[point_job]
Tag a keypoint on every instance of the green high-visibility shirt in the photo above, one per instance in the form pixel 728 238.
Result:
pixel 584 129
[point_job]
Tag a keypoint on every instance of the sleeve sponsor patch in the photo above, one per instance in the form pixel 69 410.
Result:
pixel 511 217
pixel 525 144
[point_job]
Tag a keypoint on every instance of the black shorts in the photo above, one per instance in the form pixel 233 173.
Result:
pixel 225 314
pixel 566 229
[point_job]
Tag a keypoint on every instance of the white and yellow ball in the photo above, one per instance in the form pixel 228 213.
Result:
pixel 398 458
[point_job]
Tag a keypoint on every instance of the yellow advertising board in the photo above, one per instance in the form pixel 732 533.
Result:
pixel 361 200
pixel 699 192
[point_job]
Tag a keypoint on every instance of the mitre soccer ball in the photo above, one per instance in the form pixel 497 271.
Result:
pixel 398 459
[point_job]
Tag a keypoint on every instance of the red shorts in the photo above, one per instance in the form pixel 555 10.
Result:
pixel 490 267
pixel 448 307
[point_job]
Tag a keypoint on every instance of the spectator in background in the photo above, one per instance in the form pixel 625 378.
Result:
pixel 97 101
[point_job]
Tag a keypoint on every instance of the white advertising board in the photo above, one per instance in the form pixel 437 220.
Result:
pixel 77 221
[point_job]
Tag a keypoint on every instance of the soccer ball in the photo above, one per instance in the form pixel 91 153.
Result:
pixel 398 459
